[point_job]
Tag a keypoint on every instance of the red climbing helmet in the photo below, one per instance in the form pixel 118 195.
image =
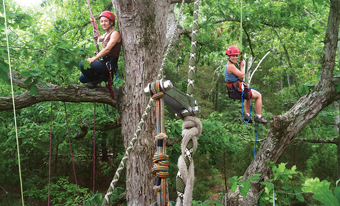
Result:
pixel 107 14
pixel 232 50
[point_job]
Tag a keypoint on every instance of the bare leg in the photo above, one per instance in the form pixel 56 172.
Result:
pixel 246 105
pixel 258 101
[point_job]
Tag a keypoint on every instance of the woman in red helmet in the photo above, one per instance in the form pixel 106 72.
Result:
pixel 233 76
pixel 111 42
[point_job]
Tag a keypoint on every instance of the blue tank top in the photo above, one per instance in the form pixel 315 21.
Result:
pixel 229 76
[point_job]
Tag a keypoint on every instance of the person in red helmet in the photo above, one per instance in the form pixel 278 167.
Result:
pixel 233 76
pixel 111 42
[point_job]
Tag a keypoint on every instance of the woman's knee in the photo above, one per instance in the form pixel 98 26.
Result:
pixel 256 94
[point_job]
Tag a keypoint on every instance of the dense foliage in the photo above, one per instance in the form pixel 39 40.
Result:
pixel 48 41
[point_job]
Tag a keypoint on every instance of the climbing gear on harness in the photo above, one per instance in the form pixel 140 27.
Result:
pixel 260 120
pixel 235 90
pixel 232 50
pixel 95 32
pixel 107 14
pixel 109 85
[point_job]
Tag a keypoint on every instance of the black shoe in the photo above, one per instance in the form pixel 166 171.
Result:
pixel 260 120
pixel 246 117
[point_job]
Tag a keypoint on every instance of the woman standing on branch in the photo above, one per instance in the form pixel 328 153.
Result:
pixel 111 42
pixel 233 76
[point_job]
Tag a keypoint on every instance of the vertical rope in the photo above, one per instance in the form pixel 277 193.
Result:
pixel 50 159
pixel 241 27
pixel 192 60
pixel 191 128
pixel 115 179
pixel 69 140
pixel 160 159
pixel 14 112
pixel 94 149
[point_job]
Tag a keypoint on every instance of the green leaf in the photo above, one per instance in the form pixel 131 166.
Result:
pixel 49 61
pixel 232 179
pixel 244 190
pixel 321 191
pixel 337 193
pixel 33 89
pixel 234 187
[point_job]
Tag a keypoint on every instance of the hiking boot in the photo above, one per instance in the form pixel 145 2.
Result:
pixel 246 117
pixel 93 84
pixel 260 120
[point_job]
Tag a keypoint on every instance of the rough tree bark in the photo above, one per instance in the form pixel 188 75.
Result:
pixel 143 26
pixel 284 128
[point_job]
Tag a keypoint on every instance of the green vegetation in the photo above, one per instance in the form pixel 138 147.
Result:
pixel 48 41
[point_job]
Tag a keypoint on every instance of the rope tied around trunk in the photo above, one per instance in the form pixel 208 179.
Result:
pixel 160 160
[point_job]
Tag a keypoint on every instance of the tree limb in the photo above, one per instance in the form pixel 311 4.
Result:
pixel 329 141
pixel 180 1
pixel 67 93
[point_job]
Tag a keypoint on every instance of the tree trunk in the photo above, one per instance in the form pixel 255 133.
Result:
pixel 143 27
pixel 284 128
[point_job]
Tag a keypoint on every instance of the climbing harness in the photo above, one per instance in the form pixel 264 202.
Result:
pixel 95 32
pixel 14 111
pixel 160 159
pixel 142 121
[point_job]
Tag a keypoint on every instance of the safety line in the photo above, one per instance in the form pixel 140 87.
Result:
pixel 50 160
pixel 241 28
pixel 94 148
pixel 14 113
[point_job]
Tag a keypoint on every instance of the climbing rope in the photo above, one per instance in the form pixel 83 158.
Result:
pixel 160 159
pixel 14 112
pixel 191 129
pixel 243 108
pixel 142 121
pixel 71 151
pixel 192 60
pixel 94 149
pixel 50 159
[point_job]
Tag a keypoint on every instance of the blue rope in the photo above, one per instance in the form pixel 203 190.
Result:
pixel 273 196
pixel 243 109
pixel 257 132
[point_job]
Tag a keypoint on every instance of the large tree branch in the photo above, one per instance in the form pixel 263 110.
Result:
pixel 67 93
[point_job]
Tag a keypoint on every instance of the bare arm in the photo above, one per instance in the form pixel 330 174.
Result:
pixel 232 69
pixel 114 38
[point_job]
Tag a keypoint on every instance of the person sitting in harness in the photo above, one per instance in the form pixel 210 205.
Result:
pixel 233 77
pixel 108 57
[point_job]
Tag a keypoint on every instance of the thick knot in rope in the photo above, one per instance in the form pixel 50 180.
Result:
pixel 161 165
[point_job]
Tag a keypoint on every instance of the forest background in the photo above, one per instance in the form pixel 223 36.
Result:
pixel 48 41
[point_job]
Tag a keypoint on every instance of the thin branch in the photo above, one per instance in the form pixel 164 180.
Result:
pixel 312 16
pixel 328 141
pixel 179 1
pixel 5 192
pixel 258 65
pixel 329 123
pixel 250 44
